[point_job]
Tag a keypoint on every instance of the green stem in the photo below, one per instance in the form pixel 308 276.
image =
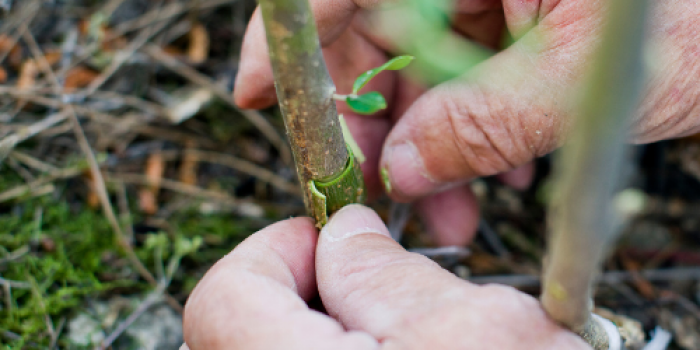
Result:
pixel 588 169
pixel 305 94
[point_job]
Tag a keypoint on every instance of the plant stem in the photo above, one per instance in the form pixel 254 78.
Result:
pixel 305 94
pixel 589 167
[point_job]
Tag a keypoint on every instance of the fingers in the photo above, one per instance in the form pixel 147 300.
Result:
pixel 519 178
pixel 671 104
pixel 363 272
pixel 521 16
pixel 369 283
pixel 253 297
pixel 254 87
pixel 451 216
pixel 505 112
pixel 350 56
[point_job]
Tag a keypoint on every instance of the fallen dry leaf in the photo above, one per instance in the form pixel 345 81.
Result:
pixel 187 102
pixel 112 42
pixel 92 199
pixel 643 286
pixel 14 56
pixel 6 43
pixel 79 77
pixel 52 57
pixel 27 75
pixel 148 195
pixel 108 40
pixel 189 165
pixel 198 50
pixel 173 51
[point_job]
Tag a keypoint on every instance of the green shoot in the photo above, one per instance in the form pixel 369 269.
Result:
pixel 395 63
pixel 371 102
pixel 368 103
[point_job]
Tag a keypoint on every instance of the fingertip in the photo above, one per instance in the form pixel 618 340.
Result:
pixel 253 97
pixel 451 217
pixel 352 220
pixel 254 87
pixel 519 178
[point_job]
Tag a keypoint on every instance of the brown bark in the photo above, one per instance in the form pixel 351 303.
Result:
pixel 304 91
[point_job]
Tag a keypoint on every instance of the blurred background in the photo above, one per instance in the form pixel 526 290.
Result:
pixel 126 171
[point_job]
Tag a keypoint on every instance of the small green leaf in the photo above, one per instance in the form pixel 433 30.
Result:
pixel 368 103
pixel 395 63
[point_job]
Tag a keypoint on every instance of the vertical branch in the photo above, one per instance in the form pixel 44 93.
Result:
pixel 589 167
pixel 304 90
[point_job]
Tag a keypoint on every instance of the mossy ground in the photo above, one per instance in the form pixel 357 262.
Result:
pixel 71 256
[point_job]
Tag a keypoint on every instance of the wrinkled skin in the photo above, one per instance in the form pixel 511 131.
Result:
pixel 378 296
pixel 505 113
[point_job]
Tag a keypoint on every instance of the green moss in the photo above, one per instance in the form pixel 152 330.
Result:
pixel 72 256
pixel 63 264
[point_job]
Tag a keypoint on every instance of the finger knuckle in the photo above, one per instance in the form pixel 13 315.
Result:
pixel 483 141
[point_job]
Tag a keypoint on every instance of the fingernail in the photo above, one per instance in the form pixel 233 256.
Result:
pixel 404 170
pixel 353 220
pixel 184 347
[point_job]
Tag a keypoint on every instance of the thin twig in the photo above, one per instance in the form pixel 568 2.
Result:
pixel 172 185
pixel 399 213
pixel 19 169
pixel 167 12
pixel 246 167
pixel 40 300
pixel 610 277
pixel 160 14
pixel 452 251
pixel 682 302
pixel 15 255
pixel 152 299
pixel 33 95
pixel 25 15
pixel 102 118
pixel 492 239
pixel 124 212
pixel 122 56
pixel 199 79
pixel 57 335
pixel 15 284
pixel 32 162
pixel 10 141
pixel 99 182
pixel 22 190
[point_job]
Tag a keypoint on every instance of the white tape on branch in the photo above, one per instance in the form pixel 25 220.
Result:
pixel 614 338
pixel 659 340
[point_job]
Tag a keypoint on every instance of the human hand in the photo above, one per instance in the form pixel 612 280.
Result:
pixel 503 113
pixel 377 295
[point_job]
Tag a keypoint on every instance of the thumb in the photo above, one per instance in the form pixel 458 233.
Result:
pixel 506 111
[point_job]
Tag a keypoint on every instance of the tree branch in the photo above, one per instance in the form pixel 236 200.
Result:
pixel 305 94
pixel 589 167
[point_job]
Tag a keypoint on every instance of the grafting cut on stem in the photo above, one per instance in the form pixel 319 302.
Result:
pixel 329 174
pixel 582 222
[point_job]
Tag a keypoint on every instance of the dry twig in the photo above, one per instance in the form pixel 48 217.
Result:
pixel 99 183
pixel 197 78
